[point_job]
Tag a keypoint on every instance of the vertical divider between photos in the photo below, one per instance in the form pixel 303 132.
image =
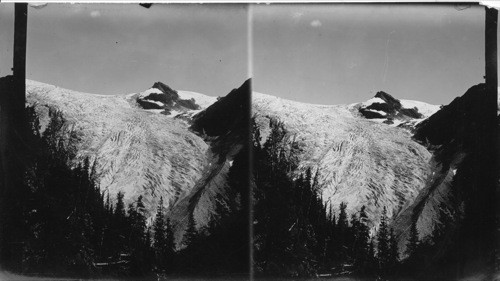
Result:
pixel 489 152
pixel 249 141
pixel 492 136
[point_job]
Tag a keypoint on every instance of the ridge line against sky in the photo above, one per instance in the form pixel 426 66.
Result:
pixel 322 54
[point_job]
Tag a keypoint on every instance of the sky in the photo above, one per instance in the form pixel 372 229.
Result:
pixel 338 54
pixel 323 53
pixel 120 49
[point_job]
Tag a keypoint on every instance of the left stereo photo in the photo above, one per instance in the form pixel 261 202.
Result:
pixel 124 141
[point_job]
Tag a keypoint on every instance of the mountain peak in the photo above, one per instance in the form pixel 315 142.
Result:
pixel 229 113
pixel 165 88
pixel 462 119
pixel 395 103
pixel 392 111
pixel 168 101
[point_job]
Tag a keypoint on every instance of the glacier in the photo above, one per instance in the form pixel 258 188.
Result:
pixel 359 161
pixel 137 152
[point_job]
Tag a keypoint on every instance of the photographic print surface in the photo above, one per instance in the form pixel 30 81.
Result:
pixel 248 141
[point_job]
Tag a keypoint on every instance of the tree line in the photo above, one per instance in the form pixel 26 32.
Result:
pixel 297 234
pixel 62 224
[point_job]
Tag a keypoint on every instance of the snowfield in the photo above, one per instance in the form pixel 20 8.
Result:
pixel 372 101
pixel 202 100
pixel 423 108
pixel 359 161
pixel 137 152
pixel 149 92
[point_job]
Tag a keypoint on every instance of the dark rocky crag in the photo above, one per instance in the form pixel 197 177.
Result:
pixel 169 98
pixel 229 113
pixel 225 125
pixel 459 135
pixel 391 106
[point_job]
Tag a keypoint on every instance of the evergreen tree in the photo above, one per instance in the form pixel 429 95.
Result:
pixel 169 251
pixel 140 220
pixel 362 242
pixel 342 232
pixel 138 244
pixel 190 234
pixel 393 249
pixel 372 264
pixel 120 206
pixel 288 231
pixel 159 237
pixel 108 206
pixel 413 241
pixel 342 223
pixel 137 221
pixel 294 233
pixel 147 238
pixel 383 253
pixel 120 225
pixel 69 226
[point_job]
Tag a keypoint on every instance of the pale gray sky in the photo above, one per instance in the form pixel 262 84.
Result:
pixel 331 54
pixel 123 48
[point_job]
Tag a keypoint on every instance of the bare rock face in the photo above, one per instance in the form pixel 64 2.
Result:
pixel 386 109
pixel 167 101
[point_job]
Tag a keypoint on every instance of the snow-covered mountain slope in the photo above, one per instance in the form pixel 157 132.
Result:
pixel 137 152
pixel 386 109
pixel 359 161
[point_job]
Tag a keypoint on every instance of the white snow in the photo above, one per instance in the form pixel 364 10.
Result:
pixel 423 108
pixel 174 113
pixel 377 111
pixel 419 121
pixel 150 91
pixel 202 100
pixel 396 123
pixel 378 120
pixel 157 111
pixel 372 101
pixel 154 102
